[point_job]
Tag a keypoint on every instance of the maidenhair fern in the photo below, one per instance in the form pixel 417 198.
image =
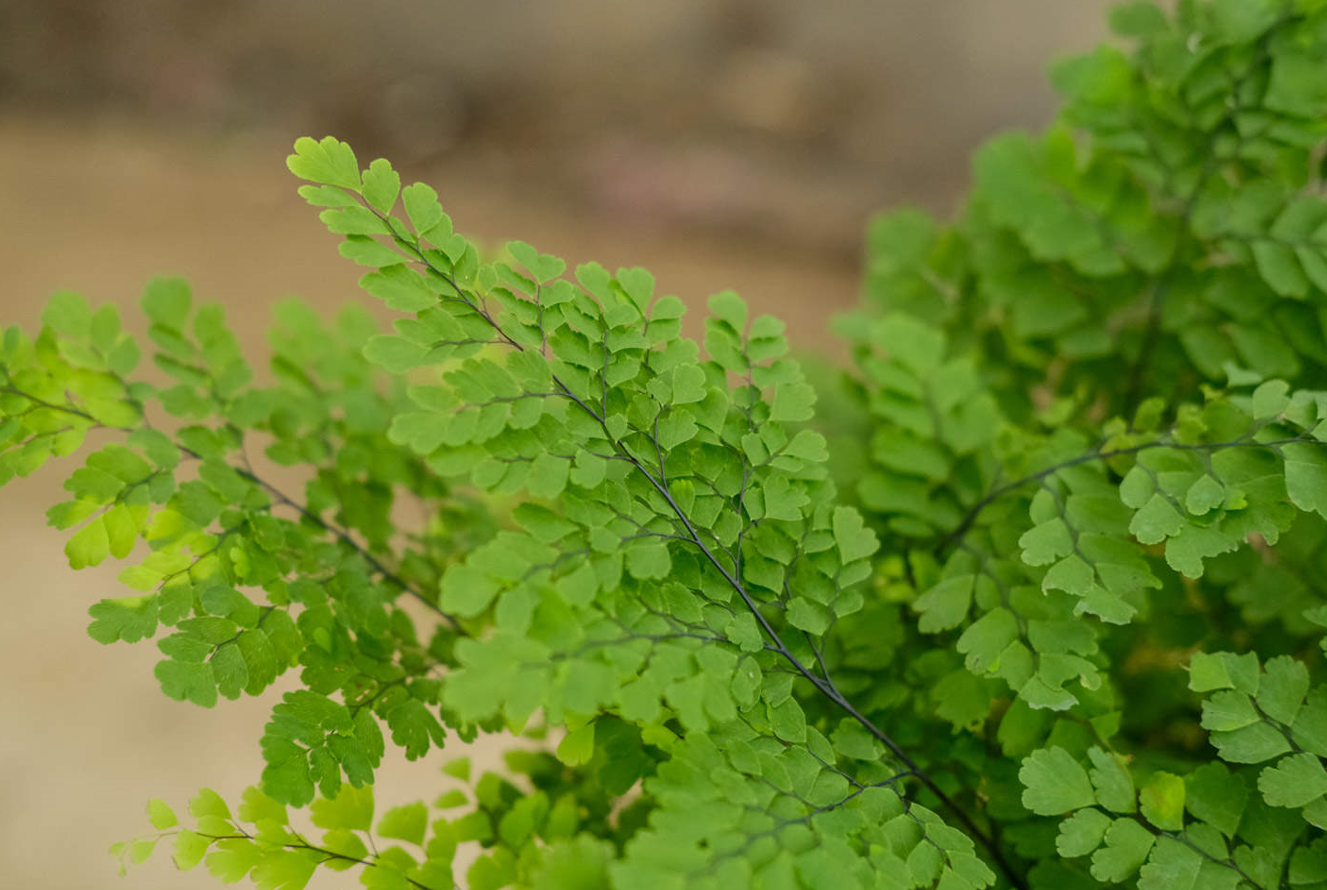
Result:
pixel 1041 604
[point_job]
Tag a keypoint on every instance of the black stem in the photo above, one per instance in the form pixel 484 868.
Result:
pixel 970 517
pixel 825 686
pixel 340 534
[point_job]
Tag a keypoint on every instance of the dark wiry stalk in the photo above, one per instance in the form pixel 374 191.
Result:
pixel 281 497
pixel 823 684
pixel 970 517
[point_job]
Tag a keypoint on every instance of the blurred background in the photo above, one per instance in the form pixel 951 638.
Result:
pixel 719 143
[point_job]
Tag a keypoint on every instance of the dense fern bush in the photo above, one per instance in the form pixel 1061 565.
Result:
pixel 1054 621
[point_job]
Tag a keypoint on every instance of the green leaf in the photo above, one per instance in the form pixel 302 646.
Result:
pixel 744 632
pixel 1216 797
pixel 548 476
pixel 915 344
pixel 160 815
pixel 689 386
pixel 637 283
pixel 354 221
pixel 1279 268
pixel 808 445
pixel 1204 496
pixel 1283 687
pixel 1295 781
pixel 1270 399
pixel 186 681
pixel 1310 726
pixel 141 850
pixel 229 671
pixel 728 306
pixel 579 586
pixel 1126 847
pixel 1306 476
pixel 675 428
pixel 855 541
pixel 105 328
pixel 1045 543
pixel 123 357
pixel 1139 18
pixel 68 313
pixel 589 470
pixel 129 618
pixel 945 606
pixel 258 808
pixel 788 721
pixel 457 768
pixel 381 186
pixel 232 859
pixel 1241 21
pixel 962 699
pixel 405 823
pixel 328 161
pixel 986 639
pixel 351 809
pixel 648 560
pixel 1082 833
pixel 1309 864
pixel 208 803
pixel 284 870
pixel 1054 782
pixel 425 213
pixel 577 747
pixel 544 267
pixel 581 863
pixel 121 530
pixel 1177 866
pixel 1229 710
pixel 451 799
pixel 366 251
pixel 1113 784
pixel 157 446
pixel 808 616
pixel 190 847
pixel 1162 801
pixel 394 354
pixel 89 546
pixel 1186 551
pixel 1250 744
pixel 167 302
pixel 1224 670
pixel 326 196
pixel 414 728
pixel 466 591
pixel 792 402
pixel 401 288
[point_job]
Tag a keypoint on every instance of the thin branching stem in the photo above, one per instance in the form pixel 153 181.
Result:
pixel 970 517
pixel 824 685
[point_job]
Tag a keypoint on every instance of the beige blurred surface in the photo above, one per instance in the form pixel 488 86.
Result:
pixel 726 144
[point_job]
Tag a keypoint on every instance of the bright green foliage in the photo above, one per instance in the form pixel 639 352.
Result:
pixel 1093 435
pixel 1269 715
pixel 678 547
pixel 1038 604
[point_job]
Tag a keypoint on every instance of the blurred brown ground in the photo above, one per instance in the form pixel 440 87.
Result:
pixel 719 143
